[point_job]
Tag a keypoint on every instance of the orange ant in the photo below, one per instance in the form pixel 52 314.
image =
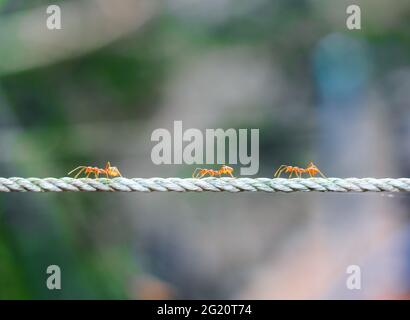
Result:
pixel 199 172
pixel 311 169
pixel 108 171
pixel 226 170
pixel 289 169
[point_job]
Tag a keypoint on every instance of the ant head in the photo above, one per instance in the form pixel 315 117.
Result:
pixel 227 168
pixel 114 172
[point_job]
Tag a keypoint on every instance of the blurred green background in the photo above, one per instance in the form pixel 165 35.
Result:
pixel 117 70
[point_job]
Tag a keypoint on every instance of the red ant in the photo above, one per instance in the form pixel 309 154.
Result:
pixel 108 171
pixel 199 172
pixel 311 169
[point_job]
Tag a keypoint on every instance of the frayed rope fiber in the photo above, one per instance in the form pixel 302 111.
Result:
pixel 206 184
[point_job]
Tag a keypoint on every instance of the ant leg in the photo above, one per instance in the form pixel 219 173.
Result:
pixel 193 174
pixel 80 172
pixel 80 167
pixel 119 173
pixel 279 169
pixel 279 172
pixel 322 174
pixel 200 175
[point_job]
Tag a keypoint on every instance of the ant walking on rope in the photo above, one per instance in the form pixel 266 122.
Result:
pixel 311 169
pixel 108 171
pixel 200 172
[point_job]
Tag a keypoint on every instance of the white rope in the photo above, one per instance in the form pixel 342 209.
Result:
pixel 205 184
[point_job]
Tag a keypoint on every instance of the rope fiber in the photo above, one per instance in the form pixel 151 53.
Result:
pixel 206 184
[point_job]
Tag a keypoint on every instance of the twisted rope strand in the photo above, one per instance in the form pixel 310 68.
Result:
pixel 202 185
